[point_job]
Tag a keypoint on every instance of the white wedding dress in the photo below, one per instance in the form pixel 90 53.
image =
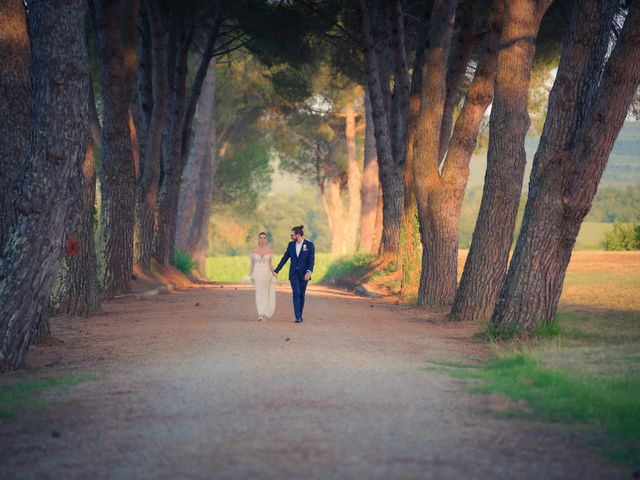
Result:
pixel 264 284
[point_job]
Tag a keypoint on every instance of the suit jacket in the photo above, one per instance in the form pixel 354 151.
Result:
pixel 299 265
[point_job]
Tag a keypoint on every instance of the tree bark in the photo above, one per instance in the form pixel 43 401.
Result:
pixel 354 182
pixel 489 253
pixel 410 247
pixel 149 178
pixel 50 181
pixel 168 195
pixel 117 70
pixel 427 146
pixel 76 290
pixel 401 80
pixel 586 111
pixel 178 137
pixel 197 184
pixel 462 46
pixel 370 182
pixel 390 172
pixel 15 105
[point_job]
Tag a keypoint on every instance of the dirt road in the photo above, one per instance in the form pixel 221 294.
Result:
pixel 190 385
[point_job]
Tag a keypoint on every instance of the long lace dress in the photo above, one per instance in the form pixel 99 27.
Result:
pixel 264 284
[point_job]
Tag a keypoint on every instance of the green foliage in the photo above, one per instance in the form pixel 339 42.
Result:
pixel 348 265
pixel 233 232
pixel 613 204
pixel 25 393
pixel 184 262
pixel 623 237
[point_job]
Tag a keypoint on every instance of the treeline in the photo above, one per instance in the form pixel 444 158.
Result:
pixel 377 104
pixel 113 128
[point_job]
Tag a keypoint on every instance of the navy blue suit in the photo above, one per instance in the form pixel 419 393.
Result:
pixel 298 268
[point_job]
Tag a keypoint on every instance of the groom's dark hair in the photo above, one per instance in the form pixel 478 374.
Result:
pixel 299 230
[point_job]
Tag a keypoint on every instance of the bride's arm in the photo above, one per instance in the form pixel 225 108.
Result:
pixel 271 266
pixel 251 267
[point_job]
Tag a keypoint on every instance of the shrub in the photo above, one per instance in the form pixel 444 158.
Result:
pixel 184 262
pixel 623 237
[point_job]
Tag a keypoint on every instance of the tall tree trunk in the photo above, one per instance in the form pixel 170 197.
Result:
pixel 76 290
pixel 179 135
pixel 370 182
pixel 410 247
pixel 354 182
pixel 447 198
pixel 401 80
pixel 489 253
pixel 149 178
pixel 462 46
pixel 377 232
pixel 117 69
pixel 50 181
pixel 15 105
pixel 390 173
pixel 168 195
pixel 427 145
pixel 197 183
pixel 584 118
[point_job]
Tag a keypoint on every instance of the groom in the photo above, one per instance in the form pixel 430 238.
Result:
pixel 302 254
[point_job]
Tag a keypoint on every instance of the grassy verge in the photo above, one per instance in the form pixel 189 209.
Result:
pixel 585 371
pixel 26 394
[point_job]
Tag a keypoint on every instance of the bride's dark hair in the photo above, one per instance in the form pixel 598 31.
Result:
pixel 299 230
pixel 263 233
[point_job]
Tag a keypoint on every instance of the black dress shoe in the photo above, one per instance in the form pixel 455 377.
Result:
pixel 298 320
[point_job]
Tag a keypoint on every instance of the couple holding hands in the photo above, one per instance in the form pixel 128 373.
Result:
pixel 301 252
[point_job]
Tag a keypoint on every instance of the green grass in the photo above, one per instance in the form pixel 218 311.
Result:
pixel 25 394
pixel 235 269
pixel 608 405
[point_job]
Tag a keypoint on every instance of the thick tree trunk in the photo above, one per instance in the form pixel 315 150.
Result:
pixel 169 192
pixel 410 248
pixel 117 70
pixel 149 178
pixel 462 46
pixel 354 182
pixel 401 80
pixel 179 137
pixel 197 183
pixel 15 105
pixel 370 182
pixel 390 171
pixel 584 117
pixel 377 232
pixel 455 171
pixel 50 182
pixel 76 290
pixel 489 253
pixel 427 145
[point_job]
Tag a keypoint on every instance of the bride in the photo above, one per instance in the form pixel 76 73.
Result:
pixel 261 271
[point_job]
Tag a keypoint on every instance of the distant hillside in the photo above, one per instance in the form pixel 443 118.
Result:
pixel 622 170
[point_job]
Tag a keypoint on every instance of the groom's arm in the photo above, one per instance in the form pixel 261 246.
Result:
pixel 285 257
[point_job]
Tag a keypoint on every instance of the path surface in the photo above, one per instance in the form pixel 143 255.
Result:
pixel 192 386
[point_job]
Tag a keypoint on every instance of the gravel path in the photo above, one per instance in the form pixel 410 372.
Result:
pixel 191 386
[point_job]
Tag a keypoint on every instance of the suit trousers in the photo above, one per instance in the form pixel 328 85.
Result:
pixel 299 286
